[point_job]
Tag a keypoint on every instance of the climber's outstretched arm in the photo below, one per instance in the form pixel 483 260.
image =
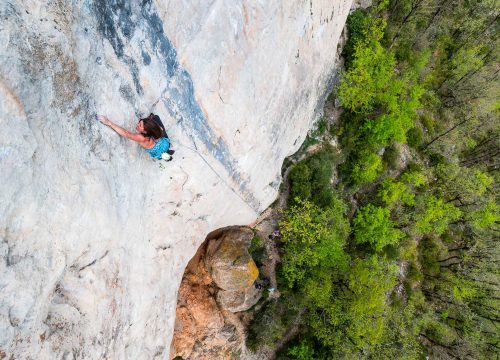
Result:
pixel 121 131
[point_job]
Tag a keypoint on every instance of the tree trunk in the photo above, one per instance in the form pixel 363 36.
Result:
pixel 414 7
pixel 445 133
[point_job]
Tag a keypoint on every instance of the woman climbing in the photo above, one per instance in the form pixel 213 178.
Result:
pixel 151 135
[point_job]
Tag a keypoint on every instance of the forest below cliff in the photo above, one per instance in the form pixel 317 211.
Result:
pixel 389 241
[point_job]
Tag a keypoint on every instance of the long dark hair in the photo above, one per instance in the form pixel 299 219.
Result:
pixel 151 128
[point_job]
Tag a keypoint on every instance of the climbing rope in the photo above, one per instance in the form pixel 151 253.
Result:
pixel 218 175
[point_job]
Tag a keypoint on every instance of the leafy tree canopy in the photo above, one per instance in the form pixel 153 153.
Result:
pixel 373 225
pixel 392 192
pixel 313 238
pixel 434 214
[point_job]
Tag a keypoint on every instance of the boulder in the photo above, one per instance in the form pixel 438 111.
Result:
pixel 228 261
pixel 240 300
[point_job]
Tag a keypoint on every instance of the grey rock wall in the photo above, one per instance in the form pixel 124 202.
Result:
pixel 94 237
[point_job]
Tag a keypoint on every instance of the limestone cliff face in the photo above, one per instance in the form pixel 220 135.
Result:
pixel 94 237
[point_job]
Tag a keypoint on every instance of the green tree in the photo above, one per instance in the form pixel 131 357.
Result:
pixel 300 182
pixel 433 215
pixel 414 178
pixel 373 88
pixel 463 183
pixel 370 74
pixel 485 217
pixel 355 318
pixel 392 192
pixel 320 166
pixel 373 225
pixel 302 351
pixel 357 25
pixel 310 179
pixel 366 168
pixel 400 101
pixel 313 238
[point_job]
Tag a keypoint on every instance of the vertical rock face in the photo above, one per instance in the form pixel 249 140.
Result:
pixel 94 237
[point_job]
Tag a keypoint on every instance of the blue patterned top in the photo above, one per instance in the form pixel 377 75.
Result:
pixel 161 146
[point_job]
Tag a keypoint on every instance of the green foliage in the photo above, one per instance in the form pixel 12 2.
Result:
pixel 484 217
pixel 320 165
pixel 392 192
pixel 438 60
pixel 429 124
pixel 400 340
pixel 440 332
pixel 380 6
pixel 302 351
pixel 257 250
pixel 366 169
pixel 464 291
pixel 462 297
pixel 391 157
pixel 310 179
pixel 255 244
pixel 414 178
pixel 413 275
pixel 313 238
pixel 370 74
pixel 322 126
pixel 373 84
pixel 433 215
pixel 430 251
pixel 300 182
pixel 355 318
pixel 270 324
pixel 401 100
pixel 469 184
pixel 466 59
pixel 415 137
pixel 408 249
pixel 357 25
pixel 373 225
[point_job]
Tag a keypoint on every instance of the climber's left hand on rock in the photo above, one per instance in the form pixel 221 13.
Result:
pixel 103 119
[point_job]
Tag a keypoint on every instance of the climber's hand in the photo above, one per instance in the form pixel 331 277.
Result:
pixel 103 119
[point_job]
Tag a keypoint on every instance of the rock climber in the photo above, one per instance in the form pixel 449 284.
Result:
pixel 151 135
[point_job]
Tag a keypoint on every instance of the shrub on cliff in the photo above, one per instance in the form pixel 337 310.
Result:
pixel 357 24
pixel 310 179
pixel 300 182
pixel 270 324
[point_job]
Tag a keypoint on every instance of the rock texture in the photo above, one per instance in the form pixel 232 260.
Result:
pixel 204 329
pixel 228 261
pixel 238 300
pixel 94 237
pixel 199 322
pixel 233 270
